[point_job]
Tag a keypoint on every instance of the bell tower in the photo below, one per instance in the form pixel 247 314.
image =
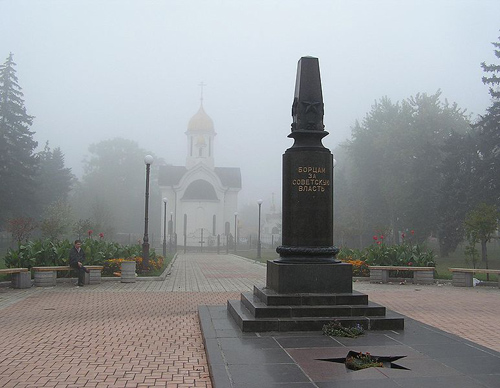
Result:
pixel 200 138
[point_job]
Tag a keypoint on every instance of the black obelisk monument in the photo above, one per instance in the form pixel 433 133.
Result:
pixel 307 287
pixel 307 262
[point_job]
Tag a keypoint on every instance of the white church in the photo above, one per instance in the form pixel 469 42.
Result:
pixel 201 199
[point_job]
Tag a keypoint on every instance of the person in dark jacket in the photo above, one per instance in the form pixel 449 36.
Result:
pixel 76 259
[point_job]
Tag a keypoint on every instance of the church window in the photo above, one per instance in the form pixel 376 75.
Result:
pixel 200 190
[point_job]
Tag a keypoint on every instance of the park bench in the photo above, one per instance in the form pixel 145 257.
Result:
pixel 462 277
pixel 46 276
pixel 21 277
pixel 380 273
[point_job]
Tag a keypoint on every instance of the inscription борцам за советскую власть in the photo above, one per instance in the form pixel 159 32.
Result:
pixel 309 179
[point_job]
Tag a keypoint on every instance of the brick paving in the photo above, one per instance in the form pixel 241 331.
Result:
pixel 147 333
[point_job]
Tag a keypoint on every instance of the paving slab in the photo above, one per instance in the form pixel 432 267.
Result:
pixel 147 333
pixel 432 357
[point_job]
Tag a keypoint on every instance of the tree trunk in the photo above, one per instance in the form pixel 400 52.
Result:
pixel 484 257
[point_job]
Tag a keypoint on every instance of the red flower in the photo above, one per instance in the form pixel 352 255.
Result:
pixel 90 232
pixel 381 236
pixel 379 242
pixel 403 235
pixel 375 237
pixel 410 263
pixel 101 235
pixel 412 232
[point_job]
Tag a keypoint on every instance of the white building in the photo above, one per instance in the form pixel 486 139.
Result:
pixel 271 228
pixel 202 198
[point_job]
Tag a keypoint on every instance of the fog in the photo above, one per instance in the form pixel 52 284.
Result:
pixel 95 70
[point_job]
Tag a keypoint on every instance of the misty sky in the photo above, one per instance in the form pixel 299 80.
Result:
pixel 95 70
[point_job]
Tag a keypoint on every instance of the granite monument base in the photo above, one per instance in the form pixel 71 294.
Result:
pixel 287 278
pixel 304 297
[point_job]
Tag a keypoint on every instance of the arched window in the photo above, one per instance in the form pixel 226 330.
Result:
pixel 200 190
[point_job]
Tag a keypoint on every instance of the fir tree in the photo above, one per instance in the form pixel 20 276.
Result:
pixel 18 162
pixel 54 180
pixel 488 138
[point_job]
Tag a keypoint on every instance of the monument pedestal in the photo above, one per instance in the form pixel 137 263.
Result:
pixel 287 278
pixel 304 297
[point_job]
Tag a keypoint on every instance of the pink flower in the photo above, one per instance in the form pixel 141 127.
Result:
pixel 403 235
pixel 410 263
pixel 101 235
pixel 90 232
pixel 379 242
pixel 375 237
pixel 381 236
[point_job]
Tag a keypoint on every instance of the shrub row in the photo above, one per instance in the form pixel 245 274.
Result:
pixel 44 252
pixel 382 254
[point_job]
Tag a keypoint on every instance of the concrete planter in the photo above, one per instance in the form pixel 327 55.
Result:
pixel 128 272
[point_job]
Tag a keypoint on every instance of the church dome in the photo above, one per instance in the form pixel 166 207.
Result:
pixel 201 122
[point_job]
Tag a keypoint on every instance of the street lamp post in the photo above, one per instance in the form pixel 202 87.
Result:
pixel 148 160
pixel 170 232
pixel 259 202
pixel 333 196
pixel 235 231
pixel 165 227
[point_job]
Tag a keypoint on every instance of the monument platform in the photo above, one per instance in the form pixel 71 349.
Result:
pixel 266 310
pixel 432 357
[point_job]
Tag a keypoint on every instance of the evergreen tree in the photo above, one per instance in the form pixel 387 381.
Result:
pixel 18 162
pixel 488 137
pixel 54 180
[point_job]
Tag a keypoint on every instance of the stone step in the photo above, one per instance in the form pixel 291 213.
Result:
pixel 260 310
pixel 249 323
pixel 272 298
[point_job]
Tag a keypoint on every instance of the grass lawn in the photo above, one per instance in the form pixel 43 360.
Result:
pixel 457 259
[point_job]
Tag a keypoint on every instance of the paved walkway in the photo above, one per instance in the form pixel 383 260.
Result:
pixel 147 333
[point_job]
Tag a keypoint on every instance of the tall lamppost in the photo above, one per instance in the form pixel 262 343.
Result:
pixel 148 160
pixel 333 192
pixel 165 200
pixel 259 202
pixel 170 232
pixel 235 231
